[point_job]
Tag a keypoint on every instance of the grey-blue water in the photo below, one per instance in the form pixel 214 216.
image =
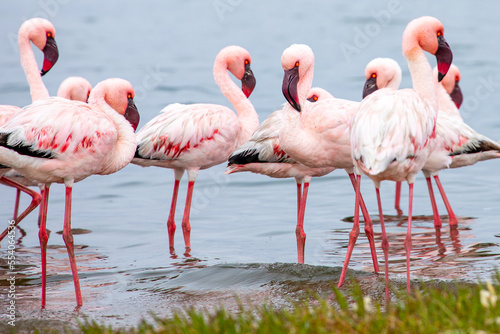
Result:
pixel 243 225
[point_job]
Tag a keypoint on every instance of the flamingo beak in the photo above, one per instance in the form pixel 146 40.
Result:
pixel 50 55
pixel 131 114
pixel 370 86
pixel 248 81
pixel 444 57
pixel 289 88
pixel 456 95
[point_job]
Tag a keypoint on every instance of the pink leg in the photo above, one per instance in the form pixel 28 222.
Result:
pixel 385 244
pixel 16 205
pixel 170 222
pixel 299 196
pixel 186 225
pixel 36 199
pixel 44 238
pixel 368 224
pixel 353 235
pixel 299 230
pixel 435 212
pixel 397 199
pixel 408 242
pixel 451 214
pixel 68 240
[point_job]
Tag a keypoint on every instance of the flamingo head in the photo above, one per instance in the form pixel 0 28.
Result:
pixel 41 33
pixel 381 73
pixel 75 88
pixel 450 84
pixel 316 94
pixel 119 95
pixel 428 33
pixel 297 60
pixel 238 61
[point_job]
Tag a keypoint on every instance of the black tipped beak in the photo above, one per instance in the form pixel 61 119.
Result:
pixel 50 55
pixel 370 86
pixel 289 88
pixel 456 95
pixel 131 114
pixel 444 57
pixel 248 81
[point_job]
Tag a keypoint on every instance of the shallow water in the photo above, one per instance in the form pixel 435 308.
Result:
pixel 243 225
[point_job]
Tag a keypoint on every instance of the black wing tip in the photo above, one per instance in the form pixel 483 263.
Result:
pixel 480 146
pixel 24 149
pixel 245 157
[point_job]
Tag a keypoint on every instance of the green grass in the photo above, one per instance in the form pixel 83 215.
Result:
pixel 430 308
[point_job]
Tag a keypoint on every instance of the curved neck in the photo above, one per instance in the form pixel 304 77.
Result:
pixel 304 85
pixel 125 146
pixel 38 90
pixel 421 76
pixel 249 120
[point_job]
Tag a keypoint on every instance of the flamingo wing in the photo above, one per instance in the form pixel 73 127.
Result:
pixel 264 145
pixel 181 129
pixel 391 126
pixel 57 128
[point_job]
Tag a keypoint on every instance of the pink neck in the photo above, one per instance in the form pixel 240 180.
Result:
pixel 249 120
pixel 421 75
pixel 31 70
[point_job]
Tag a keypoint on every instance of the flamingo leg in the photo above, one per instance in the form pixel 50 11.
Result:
pixel 35 201
pixel 353 235
pixel 408 242
pixel 186 225
pixel 44 238
pixel 368 223
pixel 68 240
pixel 397 199
pixel 385 244
pixel 16 205
pixel 299 196
pixel 451 215
pixel 435 212
pixel 170 222
pixel 299 230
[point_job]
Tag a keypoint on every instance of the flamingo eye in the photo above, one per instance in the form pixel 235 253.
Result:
pixel 297 64
pixel 315 97
pixel 49 34
pixel 439 34
pixel 247 62
pixel 374 75
pixel 457 79
pixel 129 95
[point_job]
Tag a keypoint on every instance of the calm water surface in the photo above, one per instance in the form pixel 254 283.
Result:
pixel 243 225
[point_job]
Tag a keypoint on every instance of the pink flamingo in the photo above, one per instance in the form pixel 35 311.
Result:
pixel 262 154
pixel 41 33
pixel 452 90
pixel 392 132
pixel 199 136
pixel 72 88
pixel 63 141
pixel 317 134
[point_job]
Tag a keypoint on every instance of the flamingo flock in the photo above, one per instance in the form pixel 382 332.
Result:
pixel 392 134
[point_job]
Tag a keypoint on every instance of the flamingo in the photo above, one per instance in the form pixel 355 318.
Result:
pixel 317 134
pixel 262 154
pixel 199 136
pixel 454 138
pixel 393 132
pixel 72 88
pixel 41 33
pixel 63 141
